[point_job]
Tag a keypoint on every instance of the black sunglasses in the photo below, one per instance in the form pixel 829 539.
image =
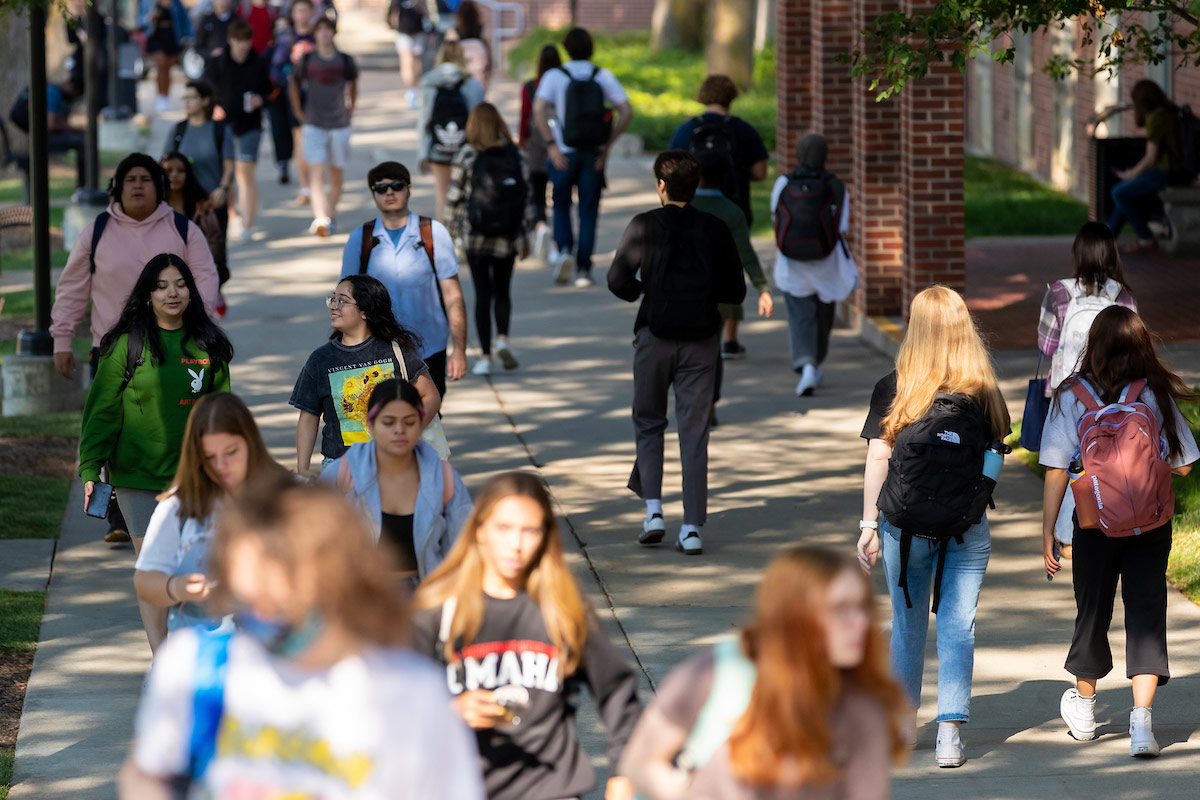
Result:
pixel 395 186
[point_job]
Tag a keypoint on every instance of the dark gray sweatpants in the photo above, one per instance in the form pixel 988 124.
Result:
pixel 691 367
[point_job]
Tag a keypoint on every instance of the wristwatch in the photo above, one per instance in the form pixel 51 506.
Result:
pixel 873 525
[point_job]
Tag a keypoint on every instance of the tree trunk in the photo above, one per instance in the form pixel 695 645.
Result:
pixel 730 48
pixel 678 24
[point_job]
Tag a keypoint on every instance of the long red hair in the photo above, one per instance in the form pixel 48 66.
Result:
pixel 785 736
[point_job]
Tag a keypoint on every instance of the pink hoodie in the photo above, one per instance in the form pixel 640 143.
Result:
pixel 123 251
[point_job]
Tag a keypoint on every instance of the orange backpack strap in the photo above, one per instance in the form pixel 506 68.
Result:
pixel 447 484
pixel 425 226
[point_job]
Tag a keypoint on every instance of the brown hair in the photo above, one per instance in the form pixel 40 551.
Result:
pixel 1120 350
pixel 240 30
pixel 486 128
pixel 785 735
pixel 314 527
pixel 468 20
pixel 548 580
pixel 1096 257
pixel 194 485
pixel 451 52
pixel 1148 96
pixel 717 90
pixel 679 170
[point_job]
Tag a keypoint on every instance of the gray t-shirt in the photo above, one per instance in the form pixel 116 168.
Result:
pixel 336 383
pixel 326 81
pixel 1060 436
pixel 199 144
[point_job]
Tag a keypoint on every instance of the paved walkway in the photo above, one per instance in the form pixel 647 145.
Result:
pixel 782 471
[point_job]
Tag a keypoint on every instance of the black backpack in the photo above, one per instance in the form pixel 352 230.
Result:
pixel 807 216
pixel 679 296
pixel 587 121
pixel 499 193
pixel 19 113
pixel 448 122
pixel 409 19
pixel 712 142
pixel 935 487
pixel 1189 145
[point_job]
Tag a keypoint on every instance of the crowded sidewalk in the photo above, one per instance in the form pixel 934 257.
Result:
pixel 782 470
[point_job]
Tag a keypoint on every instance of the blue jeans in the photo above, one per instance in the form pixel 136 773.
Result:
pixel 963 575
pixel 1127 206
pixel 581 174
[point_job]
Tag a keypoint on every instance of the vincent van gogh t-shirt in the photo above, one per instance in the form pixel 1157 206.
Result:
pixel 336 383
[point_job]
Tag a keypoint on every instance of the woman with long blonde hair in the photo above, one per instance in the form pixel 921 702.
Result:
pixel 800 705
pixel 931 422
pixel 491 213
pixel 505 616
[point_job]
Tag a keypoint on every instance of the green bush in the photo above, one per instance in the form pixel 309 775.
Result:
pixel 661 84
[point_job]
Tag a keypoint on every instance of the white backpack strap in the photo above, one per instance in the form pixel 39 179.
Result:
pixel 448 608
pixel 400 360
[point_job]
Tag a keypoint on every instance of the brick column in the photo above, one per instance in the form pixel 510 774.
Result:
pixel 793 73
pixel 931 138
pixel 876 201
pixel 832 88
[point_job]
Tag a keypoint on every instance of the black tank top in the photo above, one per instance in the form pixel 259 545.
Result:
pixel 396 530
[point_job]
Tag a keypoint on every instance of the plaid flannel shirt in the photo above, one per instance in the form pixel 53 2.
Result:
pixel 1054 308
pixel 457 200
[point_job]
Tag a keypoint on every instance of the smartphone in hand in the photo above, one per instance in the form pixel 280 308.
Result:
pixel 98 504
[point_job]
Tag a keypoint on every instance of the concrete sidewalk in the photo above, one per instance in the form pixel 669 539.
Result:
pixel 783 470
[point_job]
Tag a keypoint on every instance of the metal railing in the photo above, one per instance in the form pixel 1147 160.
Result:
pixel 502 13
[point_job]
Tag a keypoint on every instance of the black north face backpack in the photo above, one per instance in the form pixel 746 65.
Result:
pixel 935 487
pixel 498 193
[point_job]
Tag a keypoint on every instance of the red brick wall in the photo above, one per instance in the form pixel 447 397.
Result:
pixel 793 76
pixel 832 35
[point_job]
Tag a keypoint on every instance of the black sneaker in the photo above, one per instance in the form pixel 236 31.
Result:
pixel 733 351
pixel 653 530
pixel 284 178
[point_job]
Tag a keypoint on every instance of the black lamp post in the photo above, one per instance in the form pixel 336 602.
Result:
pixel 38 342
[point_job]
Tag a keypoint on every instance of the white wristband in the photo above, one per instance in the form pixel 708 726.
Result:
pixel 862 523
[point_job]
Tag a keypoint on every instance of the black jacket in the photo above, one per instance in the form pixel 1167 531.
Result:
pixel 632 268
pixel 231 80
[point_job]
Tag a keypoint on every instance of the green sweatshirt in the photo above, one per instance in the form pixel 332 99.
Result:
pixel 727 211
pixel 138 433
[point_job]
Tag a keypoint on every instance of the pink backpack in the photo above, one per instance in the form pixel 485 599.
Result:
pixel 1125 487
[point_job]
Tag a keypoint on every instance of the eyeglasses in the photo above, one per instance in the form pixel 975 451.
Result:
pixel 334 301
pixel 395 186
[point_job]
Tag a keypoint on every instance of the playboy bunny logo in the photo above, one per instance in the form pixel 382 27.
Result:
pixel 197 380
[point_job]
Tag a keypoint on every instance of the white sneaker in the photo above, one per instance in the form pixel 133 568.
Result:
pixel 505 353
pixel 413 98
pixel 482 367
pixel 948 752
pixel 247 235
pixel 321 227
pixel 563 266
pixel 541 237
pixel 583 281
pixel 809 378
pixel 1142 743
pixel 653 530
pixel 689 543
pixel 1080 715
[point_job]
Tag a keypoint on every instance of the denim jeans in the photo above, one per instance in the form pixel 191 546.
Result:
pixel 581 174
pixel 809 323
pixel 963 575
pixel 1127 206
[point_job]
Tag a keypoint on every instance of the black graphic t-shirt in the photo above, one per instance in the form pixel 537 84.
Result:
pixel 536 756
pixel 336 383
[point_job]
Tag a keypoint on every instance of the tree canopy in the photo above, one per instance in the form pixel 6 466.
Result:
pixel 897 47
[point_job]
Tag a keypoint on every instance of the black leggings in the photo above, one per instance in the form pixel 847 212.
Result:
pixel 538 181
pixel 493 282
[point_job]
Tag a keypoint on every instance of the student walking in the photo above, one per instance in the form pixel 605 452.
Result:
pixel 295 40
pixel 409 20
pixel 1153 111
pixel 363 351
pixel 166 26
pixel 414 503
pixel 315 694
pixel 1121 481
pixel 449 95
pixel 212 30
pixel 222 452
pixel 209 145
pixel 682 263
pixel 162 355
pixel 719 137
pixel 262 17
pixel 468 29
pixel 930 422
pixel 813 269
pixel 241 80
pixel 581 98
pixel 534 147
pixel 799 705
pixel 186 196
pixel 324 92
pixel 414 258
pixel 491 213
pixel 506 618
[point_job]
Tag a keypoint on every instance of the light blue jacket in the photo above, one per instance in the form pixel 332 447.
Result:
pixel 435 526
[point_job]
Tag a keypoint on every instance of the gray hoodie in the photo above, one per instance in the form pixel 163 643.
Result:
pixel 443 76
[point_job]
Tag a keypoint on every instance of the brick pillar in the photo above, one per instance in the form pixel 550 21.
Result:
pixel 793 73
pixel 832 87
pixel 876 199
pixel 931 137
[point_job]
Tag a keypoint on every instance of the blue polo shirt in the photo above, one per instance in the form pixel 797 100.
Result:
pixel 403 267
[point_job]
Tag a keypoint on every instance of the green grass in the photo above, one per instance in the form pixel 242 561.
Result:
pixel 12 189
pixel 661 84
pixel 31 506
pixel 54 423
pixel 23 259
pixel 20 623
pixel 1002 201
pixel 6 770
pixel 760 203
